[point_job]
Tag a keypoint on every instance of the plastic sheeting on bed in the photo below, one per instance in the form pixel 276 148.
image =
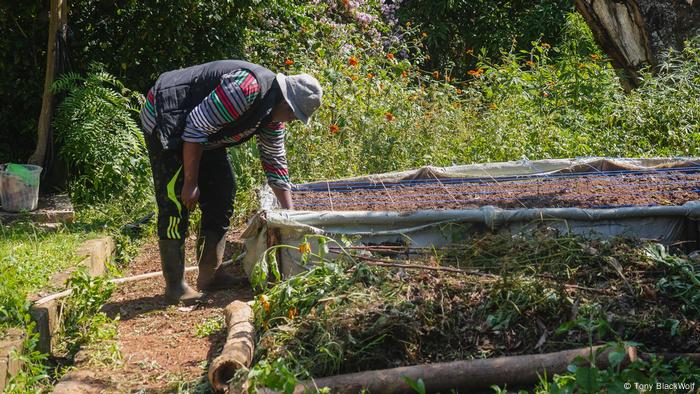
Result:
pixel 425 228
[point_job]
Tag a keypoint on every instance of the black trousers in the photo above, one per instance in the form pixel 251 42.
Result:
pixel 217 188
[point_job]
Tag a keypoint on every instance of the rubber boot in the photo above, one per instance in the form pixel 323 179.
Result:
pixel 210 252
pixel 172 260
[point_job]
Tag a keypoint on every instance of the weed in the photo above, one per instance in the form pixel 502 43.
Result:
pixel 209 326
pixel 83 323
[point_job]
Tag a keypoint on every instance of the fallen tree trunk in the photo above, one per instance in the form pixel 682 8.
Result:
pixel 239 347
pixel 471 375
pixel 638 33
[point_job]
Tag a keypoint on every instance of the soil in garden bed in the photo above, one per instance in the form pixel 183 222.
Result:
pixel 584 191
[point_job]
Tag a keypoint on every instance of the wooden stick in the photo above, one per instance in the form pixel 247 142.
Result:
pixel 469 375
pixel 238 349
pixel 385 263
pixel 119 281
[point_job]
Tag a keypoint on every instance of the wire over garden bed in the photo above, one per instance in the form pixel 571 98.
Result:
pixel 595 189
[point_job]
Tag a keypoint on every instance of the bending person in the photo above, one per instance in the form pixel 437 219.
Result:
pixel 190 117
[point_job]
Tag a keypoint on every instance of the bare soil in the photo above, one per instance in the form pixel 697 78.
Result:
pixel 159 344
pixel 585 191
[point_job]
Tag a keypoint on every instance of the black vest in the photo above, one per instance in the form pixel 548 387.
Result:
pixel 178 92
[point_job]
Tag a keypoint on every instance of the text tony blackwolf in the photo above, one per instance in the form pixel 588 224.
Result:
pixel 685 386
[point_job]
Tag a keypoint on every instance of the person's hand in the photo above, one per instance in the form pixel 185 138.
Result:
pixel 190 195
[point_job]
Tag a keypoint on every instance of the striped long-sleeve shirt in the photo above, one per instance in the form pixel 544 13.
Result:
pixel 223 106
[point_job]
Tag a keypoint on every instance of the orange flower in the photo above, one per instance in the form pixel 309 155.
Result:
pixel 530 63
pixel 264 302
pixel 288 62
pixel 545 94
pixel 389 116
pixel 595 56
pixel 304 248
pixel 390 56
pixel 370 75
pixel 545 45
pixel 436 74
pixel 458 90
pixel 404 74
pixel 292 312
pixel 352 60
pixel 424 34
pixel 354 77
pixel 476 73
pixel 447 78
pixel 334 128
pixel 493 106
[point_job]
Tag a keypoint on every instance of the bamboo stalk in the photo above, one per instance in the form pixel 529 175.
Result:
pixel 238 349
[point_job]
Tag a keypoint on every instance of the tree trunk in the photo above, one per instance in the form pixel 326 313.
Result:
pixel 638 33
pixel 58 20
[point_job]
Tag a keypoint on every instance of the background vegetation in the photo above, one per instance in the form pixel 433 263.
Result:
pixel 407 83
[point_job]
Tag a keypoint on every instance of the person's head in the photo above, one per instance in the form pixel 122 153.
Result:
pixel 302 97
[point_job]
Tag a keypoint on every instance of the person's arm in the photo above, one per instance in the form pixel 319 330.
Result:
pixel 191 155
pixel 284 196
pixel 273 158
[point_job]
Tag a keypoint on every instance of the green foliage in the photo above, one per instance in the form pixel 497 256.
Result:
pixel 455 27
pixel 209 326
pixel 138 40
pixel 28 258
pixel 639 376
pixel 537 107
pixel 34 373
pixel 101 143
pixel 83 322
pixel 275 375
pixel 23 31
pixel 416 385
pixel 681 282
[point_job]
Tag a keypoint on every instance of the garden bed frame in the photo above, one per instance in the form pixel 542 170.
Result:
pixel 435 228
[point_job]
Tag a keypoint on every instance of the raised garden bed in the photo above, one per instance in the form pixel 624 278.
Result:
pixel 435 206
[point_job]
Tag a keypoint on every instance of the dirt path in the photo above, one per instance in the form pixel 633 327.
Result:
pixel 163 348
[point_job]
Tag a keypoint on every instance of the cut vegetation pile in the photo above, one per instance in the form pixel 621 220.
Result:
pixel 380 307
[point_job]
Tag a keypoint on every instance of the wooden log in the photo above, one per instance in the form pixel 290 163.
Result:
pixel 473 376
pixel 238 349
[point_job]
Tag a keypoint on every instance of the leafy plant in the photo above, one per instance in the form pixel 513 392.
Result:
pixel 209 326
pixel 275 375
pixel 101 142
pixel 83 321
pixel 682 283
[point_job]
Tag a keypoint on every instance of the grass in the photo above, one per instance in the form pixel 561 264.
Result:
pixel 29 256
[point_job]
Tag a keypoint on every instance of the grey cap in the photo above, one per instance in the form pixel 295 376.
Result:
pixel 302 92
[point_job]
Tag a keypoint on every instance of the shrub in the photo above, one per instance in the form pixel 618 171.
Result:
pixel 100 140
